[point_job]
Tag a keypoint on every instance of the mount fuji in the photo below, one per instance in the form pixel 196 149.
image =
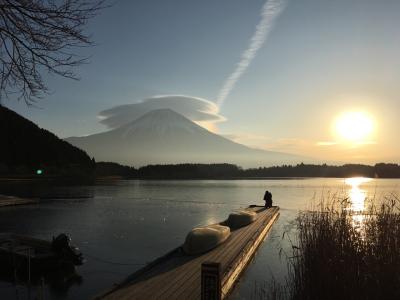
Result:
pixel 166 137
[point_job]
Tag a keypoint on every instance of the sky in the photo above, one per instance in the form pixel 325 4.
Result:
pixel 308 61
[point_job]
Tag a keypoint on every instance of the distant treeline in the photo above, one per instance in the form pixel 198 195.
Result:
pixel 109 169
pixel 27 150
pixel 230 171
pixel 380 170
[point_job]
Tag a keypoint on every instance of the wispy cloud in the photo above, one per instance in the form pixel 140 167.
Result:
pixel 345 143
pixel 326 143
pixel 294 145
pixel 270 12
pixel 248 139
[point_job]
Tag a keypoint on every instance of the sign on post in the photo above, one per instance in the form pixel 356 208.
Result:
pixel 210 281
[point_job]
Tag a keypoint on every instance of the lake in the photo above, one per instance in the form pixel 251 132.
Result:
pixel 123 225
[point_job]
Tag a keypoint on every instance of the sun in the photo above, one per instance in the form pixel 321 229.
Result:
pixel 355 126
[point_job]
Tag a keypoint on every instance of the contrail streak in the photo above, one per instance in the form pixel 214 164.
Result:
pixel 270 12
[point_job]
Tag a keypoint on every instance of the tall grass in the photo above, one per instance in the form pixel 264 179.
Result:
pixel 341 254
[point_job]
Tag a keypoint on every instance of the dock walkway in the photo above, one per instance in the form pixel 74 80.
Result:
pixel 12 201
pixel 178 276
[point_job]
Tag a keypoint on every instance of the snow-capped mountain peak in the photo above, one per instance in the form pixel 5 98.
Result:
pixel 165 136
pixel 160 121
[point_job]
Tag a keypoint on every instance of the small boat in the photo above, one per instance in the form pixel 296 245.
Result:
pixel 241 218
pixel 203 239
pixel 19 252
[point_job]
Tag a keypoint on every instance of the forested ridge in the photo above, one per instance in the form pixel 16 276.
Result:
pixel 231 171
pixel 26 148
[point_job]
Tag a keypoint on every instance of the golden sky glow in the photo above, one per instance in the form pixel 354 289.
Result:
pixel 354 127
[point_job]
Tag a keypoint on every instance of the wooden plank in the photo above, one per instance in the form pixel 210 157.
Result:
pixel 228 258
pixel 178 276
pixel 233 244
pixel 12 201
pixel 231 277
pixel 218 254
pixel 192 288
pixel 225 254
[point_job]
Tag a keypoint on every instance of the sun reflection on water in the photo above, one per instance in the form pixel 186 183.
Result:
pixel 357 197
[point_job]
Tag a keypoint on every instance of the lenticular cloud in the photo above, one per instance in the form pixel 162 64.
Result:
pixel 193 108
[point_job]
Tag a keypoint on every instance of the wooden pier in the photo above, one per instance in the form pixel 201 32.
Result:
pixel 179 276
pixel 12 201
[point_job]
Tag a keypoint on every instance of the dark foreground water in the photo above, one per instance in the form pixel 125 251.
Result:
pixel 121 226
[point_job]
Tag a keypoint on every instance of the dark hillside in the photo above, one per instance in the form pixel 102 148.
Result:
pixel 25 148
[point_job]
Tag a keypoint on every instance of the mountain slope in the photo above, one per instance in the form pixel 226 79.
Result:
pixel 25 147
pixel 164 136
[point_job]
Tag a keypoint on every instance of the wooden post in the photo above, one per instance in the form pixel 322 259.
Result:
pixel 210 281
pixel 29 273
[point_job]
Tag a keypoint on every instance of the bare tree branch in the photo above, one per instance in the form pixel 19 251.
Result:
pixel 41 35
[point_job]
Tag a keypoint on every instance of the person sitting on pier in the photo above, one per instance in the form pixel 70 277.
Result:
pixel 268 199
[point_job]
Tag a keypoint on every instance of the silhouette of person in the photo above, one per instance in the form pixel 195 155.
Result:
pixel 268 199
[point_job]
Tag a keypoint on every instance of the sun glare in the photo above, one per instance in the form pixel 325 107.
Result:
pixel 354 126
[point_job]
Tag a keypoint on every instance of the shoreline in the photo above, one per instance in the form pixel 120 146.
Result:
pixel 14 201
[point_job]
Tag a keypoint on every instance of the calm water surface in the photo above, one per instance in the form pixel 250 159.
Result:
pixel 121 226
